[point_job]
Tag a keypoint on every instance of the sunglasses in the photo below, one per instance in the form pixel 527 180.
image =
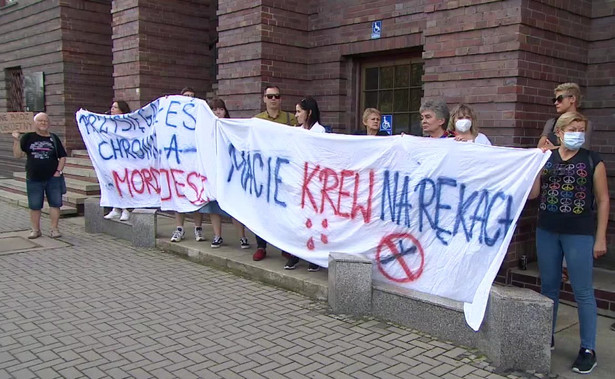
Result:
pixel 273 96
pixel 560 98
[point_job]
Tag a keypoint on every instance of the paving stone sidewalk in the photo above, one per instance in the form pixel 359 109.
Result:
pixel 97 307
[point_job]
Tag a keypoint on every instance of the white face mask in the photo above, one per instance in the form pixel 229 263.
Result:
pixel 463 125
pixel 574 140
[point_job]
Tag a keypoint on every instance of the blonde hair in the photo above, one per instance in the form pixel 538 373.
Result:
pixel 463 110
pixel 570 89
pixel 568 118
pixel 369 111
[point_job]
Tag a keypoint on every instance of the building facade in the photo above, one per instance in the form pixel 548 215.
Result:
pixel 503 57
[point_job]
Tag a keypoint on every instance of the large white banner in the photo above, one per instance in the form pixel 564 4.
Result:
pixel 434 215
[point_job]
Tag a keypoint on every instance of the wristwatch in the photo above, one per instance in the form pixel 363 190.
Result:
pixel 60 171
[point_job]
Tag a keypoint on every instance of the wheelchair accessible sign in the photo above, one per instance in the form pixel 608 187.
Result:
pixel 386 125
pixel 376 29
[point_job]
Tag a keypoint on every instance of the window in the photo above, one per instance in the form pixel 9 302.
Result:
pixel 394 88
pixel 14 89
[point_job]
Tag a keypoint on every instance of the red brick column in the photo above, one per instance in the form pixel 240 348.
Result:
pixel 260 43
pixel 161 46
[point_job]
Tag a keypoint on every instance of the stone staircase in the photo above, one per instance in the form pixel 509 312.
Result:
pixel 81 183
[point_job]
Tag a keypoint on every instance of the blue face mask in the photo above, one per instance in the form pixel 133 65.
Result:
pixel 574 140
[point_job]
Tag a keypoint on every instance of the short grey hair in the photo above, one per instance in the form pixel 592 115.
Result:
pixel 439 107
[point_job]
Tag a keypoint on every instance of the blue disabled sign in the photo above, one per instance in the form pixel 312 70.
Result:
pixel 376 29
pixel 386 125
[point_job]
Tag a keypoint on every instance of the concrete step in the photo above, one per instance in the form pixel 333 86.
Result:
pixel 22 201
pixel 72 184
pixel 80 171
pixel 79 162
pixel 80 154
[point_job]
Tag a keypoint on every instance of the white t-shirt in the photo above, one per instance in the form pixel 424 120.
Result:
pixel 482 139
pixel 318 128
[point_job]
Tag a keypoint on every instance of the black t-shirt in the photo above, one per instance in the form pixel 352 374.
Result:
pixel 567 193
pixel 42 156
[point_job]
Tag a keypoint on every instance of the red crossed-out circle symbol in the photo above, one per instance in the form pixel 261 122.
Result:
pixel 399 250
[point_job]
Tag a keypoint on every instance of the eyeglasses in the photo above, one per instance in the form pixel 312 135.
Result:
pixel 560 98
pixel 273 96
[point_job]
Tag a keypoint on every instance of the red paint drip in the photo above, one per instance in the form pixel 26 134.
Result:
pixel 308 223
pixel 325 223
pixel 310 244
pixel 324 238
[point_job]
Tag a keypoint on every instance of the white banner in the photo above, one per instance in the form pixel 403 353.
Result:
pixel 434 215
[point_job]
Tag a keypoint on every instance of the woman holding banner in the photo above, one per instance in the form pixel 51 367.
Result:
pixel 119 107
pixel 463 124
pixel 213 208
pixel 572 179
pixel 308 118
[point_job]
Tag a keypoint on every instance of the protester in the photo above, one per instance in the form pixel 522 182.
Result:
pixel 434 119
pixel 371 124
pixel 180 218
pixel 45 161
pixel 567 99
pixel 119 107
pixel 272 98
pixel 463 124
pixel 568 228
pixel 308 117
pixel 213 208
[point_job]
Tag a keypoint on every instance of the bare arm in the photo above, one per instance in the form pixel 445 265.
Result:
pixel 535 191
pixel 17 152
pixel 61 163
pixel 601 192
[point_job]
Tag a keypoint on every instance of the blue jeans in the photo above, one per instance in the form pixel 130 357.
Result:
pixel 578 250
pixel 37 189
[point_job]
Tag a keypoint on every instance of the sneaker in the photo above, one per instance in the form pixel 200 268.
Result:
pixel 613 326
pixel 115 213
pixel 217 242
pixel 34 234
pixel 291 264
pixel 198 234
pixel 55 233
pixel 313 267
pixel 125 215
pixel 585 362
pixel 178 235
pixel 259 254
pixel 243 242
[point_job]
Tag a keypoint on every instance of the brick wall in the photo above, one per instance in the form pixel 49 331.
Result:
pixel 86 52
pixel 69 41
pixel 161 46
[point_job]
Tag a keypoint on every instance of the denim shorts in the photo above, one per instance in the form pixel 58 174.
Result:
pixel 213 207
pixel 51 188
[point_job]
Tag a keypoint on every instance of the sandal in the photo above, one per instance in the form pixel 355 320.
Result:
pixel 34 234
pixel 55 233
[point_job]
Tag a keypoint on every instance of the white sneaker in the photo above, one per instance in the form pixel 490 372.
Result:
pixel 198 234
pixel 178 235
pixel 125 215
pixel 115 213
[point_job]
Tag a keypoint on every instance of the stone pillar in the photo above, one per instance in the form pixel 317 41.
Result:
pixel 350 284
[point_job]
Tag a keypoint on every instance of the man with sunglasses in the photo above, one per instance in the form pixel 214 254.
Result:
pixel 567 99
pixel 274 112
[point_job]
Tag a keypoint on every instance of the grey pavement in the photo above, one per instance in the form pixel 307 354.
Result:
pixel 90 305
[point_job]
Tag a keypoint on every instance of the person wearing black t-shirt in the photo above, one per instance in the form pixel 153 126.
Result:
pixel 568 226
pixel 45 161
